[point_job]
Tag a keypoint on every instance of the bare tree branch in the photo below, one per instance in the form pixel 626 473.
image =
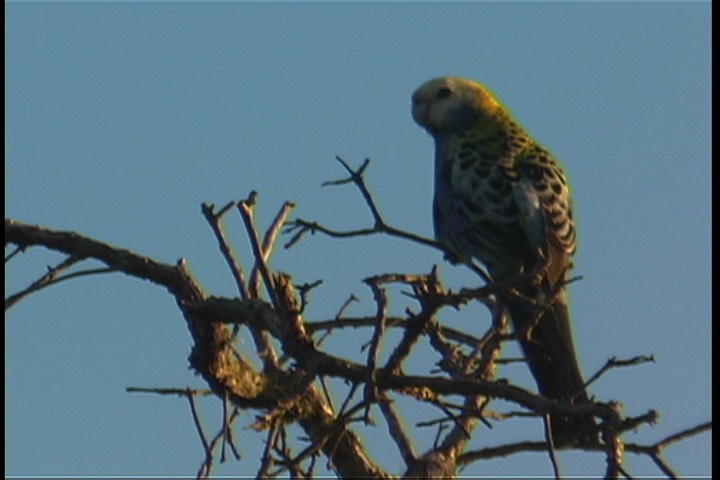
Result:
pixel 46 280
pixel 614 362
pixel 268 242
pixel 296 392
pixel 302 227
pixel 206 466
pixel 245 207
pixel 397 432
pixel 213 219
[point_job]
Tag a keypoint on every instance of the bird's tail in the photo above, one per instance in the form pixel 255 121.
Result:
pixel 551 356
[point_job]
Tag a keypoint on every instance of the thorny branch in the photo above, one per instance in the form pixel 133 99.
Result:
pixel 291 395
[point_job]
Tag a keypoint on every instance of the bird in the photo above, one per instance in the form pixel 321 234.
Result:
pixel 502 199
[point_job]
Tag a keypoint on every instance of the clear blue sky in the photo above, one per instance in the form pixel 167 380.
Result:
pixel 122 118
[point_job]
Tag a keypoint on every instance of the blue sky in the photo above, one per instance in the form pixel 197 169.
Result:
pixel 121 119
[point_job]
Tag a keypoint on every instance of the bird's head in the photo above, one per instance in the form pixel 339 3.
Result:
pixel 449 104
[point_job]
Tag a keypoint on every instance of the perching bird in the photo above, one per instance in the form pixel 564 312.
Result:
pixel 502 199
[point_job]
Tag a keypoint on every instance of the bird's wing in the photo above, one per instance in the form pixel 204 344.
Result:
pixel 544 207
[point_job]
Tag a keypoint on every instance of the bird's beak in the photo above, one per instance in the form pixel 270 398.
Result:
pixel 420 114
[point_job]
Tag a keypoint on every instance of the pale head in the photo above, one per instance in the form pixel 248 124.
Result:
pixel 449 104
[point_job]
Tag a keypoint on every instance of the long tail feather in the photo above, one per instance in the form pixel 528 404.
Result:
pixel 551 356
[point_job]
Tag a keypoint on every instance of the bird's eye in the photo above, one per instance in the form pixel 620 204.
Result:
pixel 443 93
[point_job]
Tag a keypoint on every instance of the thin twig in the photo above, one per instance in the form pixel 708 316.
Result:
pixel 269 241
pixel 614 362
pixel 262 343
pixel 428 291
pixel 326 392
pixel 18 249
pixel 213 220
pixel 206 466
pixel 394 322
pixel 266 460
pixel 225 426
pixel 303 226
pixel 684 434
pixel 551 446
pixel 441 427
pixel 664 467
pixel 247 216
pixel 454 418
pixel 303 291
pixel 352 298
pixel 521 447
pixel 624 472
pixel 357 178
pixel 338 321
pixel 221 435
pixel 46 280
pixel 350 394
pixel 396 430
pixel 226 435
pixel 381 317
pixel 181 392
pixel 631 423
